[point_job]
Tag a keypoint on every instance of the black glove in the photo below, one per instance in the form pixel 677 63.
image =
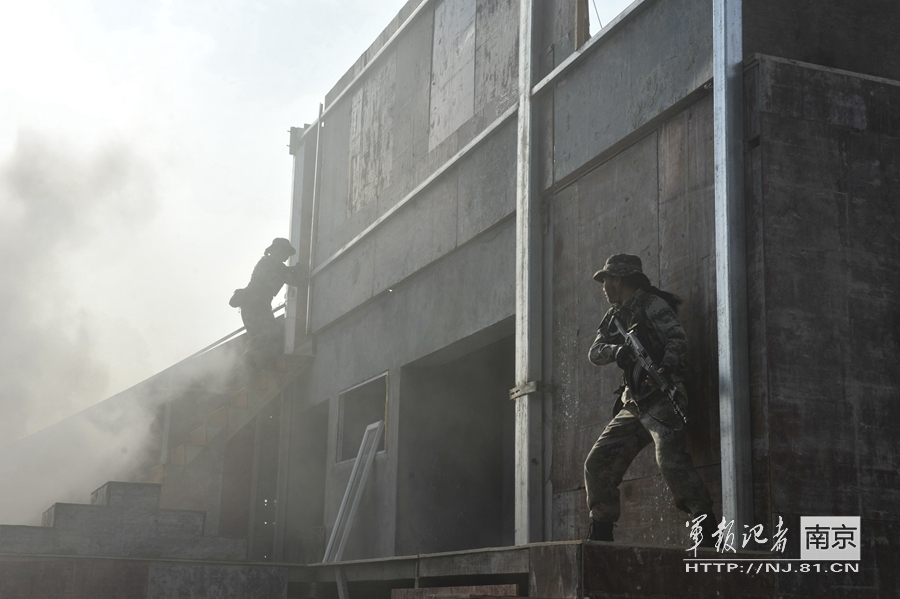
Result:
pixel 624 358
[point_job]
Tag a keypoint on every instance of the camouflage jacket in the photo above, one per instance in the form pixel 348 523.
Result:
pixel 269 276
pixel 658 330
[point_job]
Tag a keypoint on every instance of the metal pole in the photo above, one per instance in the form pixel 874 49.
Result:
pixel 528 394
pixel 284 456
pixel 298 152
pixel 313 228
pixel 731 266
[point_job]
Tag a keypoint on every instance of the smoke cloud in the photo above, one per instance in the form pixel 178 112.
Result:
pixel 54 200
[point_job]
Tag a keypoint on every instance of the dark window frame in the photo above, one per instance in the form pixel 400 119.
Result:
pixel 340 457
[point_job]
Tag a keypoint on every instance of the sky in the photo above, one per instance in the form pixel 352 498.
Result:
pixel 143 170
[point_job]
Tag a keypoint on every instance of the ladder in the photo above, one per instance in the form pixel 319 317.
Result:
pixel 352 496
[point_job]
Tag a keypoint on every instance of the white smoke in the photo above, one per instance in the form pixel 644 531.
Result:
pixel 54 200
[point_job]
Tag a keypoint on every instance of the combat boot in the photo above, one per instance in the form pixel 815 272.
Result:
pixel 600 531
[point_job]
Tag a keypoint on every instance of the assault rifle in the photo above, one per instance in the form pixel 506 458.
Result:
pixel 646 362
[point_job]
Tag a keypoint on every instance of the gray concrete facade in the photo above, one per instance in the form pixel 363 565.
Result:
pixel 405 196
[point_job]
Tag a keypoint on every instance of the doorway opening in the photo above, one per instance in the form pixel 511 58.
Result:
pixel 456 450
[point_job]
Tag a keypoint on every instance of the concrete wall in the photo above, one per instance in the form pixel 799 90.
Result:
pixel 440 269
pixel 459 297
pixel 823 184
pixel 30 578
pixel 859 36
pixel 626 86
pixel 456 453
pixel 387 134
pixel 654 199
pixel 625 162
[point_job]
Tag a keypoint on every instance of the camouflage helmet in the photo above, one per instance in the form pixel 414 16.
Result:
pixel 280 243
pixel 620 265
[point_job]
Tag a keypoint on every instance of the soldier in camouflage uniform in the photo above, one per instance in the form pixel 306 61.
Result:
pixel 269 275
pixel 642 413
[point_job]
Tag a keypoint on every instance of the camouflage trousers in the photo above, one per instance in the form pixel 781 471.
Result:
pixel 262 330
pixel 623 438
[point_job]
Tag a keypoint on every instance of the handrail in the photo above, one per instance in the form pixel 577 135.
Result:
pixel 223 340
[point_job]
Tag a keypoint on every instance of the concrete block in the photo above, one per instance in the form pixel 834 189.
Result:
pixel 238 417
pixel 27 539
pixel 222 582
pixel 219 417
pixel 259 380
pixel 212 548
pixel 201 435
pixel 191 452
pixel 77 516
pixel 179 523
pixel 159 473
pixel 116 493
pixel 239 399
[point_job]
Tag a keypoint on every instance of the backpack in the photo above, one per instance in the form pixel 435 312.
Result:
pixel 237 298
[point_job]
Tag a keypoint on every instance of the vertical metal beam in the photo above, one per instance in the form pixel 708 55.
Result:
pixel 169 392
pixel 528 439
pixel 298 151
pixel 254 488
pixel 281 488
pixel 314 225
pixel 731 265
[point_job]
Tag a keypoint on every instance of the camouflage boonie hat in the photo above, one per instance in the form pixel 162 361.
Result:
pixel 281 243
pixel 620 265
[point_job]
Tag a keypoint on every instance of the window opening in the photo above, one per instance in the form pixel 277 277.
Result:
pixel 360 407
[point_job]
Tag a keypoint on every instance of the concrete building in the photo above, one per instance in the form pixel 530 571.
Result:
pixel 463 182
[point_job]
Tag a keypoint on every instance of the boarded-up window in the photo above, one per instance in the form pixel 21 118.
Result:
pixel 371 135
pixel 452 68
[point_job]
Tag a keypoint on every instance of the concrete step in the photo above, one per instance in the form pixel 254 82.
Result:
pixel 204 434
pixel 180 523
pixel 159 473
pixel 239 399
pixel 115 493
pixel 185 454
pixel 259 389
pixel 77 517
pixel 259 380
pixel 219 417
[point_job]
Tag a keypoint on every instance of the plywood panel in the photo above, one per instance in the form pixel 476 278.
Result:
pixel 371 135
pixel 617 213
pixel 687 261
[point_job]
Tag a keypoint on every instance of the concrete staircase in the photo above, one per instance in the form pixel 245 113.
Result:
pixel 122 520
pixel 255 392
